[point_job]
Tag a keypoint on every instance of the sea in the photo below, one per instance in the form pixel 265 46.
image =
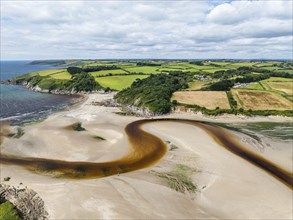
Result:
pixel 20 105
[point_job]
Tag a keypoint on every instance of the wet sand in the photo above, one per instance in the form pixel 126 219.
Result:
pixel 146 149
pixel 140 194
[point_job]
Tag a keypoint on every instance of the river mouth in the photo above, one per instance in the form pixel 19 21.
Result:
pixel 146 150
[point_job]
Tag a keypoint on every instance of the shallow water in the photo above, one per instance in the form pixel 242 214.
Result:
pixel 21 105
pixel 274 130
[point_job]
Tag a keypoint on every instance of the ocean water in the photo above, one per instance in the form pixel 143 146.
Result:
pixel 18 105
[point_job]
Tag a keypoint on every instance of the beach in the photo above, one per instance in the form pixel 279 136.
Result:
pixel 228 187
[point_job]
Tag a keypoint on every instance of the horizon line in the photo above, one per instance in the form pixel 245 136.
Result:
pixel 103 59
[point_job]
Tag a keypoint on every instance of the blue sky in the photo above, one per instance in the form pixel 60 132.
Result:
pixel 146 29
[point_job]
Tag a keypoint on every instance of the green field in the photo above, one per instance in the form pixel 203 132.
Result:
pixel 127 65
pixel 255 85
pixel 176 67
pixel 197 67
pixel 197 85
pixel 239 64
pixel 278 79
pixel 144 69
pixel 213 70
pixel 61 75
pixel 271 68
pixel 169 70
pixel 284 71
pixel 118 82
pixel 107 72
pixel 50 72
pixel 264 64
pixel 220 63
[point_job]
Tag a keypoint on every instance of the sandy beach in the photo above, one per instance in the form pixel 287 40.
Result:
pixel 228 187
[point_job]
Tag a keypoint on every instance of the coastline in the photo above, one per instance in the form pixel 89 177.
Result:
pixel 139 112
pixel 140 194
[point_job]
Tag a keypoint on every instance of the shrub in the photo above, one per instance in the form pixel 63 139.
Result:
pixel 9 211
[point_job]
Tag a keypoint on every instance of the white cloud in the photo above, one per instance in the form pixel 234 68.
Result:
pixel 239 11
pixel 145 29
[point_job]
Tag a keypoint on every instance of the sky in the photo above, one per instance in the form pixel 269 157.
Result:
pixel 32 30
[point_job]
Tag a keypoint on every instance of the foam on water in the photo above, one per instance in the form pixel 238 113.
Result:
pixel 21 105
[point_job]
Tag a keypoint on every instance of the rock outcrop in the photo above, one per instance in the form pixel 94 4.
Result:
pixel 27 202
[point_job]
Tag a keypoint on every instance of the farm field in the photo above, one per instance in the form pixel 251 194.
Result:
pixel 284 71
pixel 239 64
pixel 175 67
pixel 254 85
pixel 61 75
pixel 50 72
pixel 197 85
pixel 286 87
pixel 168 69
pixel 212 70
pixel 260 100
pixel 125 66
pixel 106 72
pixel 220 63
pixel 208 99
pixel 204 67
pixel 279 84
pixel 118 82
pixel 263 64
pixel 277 79
pixel 144 69
pixel 272 68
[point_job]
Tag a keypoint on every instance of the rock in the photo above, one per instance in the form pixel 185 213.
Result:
pixel 137 111
pixel 6 82
pixel 27 202
pixel 107 103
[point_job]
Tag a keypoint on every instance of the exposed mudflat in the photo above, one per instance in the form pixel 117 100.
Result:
pixel 229 187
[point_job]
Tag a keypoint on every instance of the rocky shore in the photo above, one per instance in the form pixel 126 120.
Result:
pixel 125 109
pixel 38 89
pixel 27 202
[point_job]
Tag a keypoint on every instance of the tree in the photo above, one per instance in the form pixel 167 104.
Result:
pixel 74 70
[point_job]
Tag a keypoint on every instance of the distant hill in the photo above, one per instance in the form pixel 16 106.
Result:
pixel 48 62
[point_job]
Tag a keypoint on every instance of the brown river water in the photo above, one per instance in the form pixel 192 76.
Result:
pixel 146 149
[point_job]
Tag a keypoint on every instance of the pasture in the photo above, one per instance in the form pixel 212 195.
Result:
pixel 236 65
pixel 61 75
pixel 208 99
pixel 197 85
pixel 277 79
pixel 255 85
pixel 50 72
pixel 143 69
pixel 284 71
pixel 212 70
pixel 107 72
pixel 260 100
pixel 118 82
pixel 169 70
pixel 279 84
pixel 286 87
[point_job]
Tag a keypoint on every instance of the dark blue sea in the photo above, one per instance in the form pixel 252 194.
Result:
pixel 19 104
